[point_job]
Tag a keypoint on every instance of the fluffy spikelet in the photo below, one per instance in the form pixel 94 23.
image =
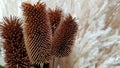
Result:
pixel 64 37
pixel 15 52
pixel 55 16
pixel 37 33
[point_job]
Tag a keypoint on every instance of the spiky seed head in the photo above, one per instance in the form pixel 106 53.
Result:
pixel 55 16
pixel 15 52
pixel 37 32
pixel 64 37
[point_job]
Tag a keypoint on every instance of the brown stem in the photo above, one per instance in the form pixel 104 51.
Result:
pixel 46 65
pixel 37 66
pixel 55 62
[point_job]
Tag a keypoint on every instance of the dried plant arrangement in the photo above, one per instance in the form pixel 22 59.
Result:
pixel 44 35
pixel 97 42
pixel 15 52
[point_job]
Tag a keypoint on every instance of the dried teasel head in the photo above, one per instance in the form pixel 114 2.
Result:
pixel 55 16
pixel 37 32
pixel 15 52
pixel 64 37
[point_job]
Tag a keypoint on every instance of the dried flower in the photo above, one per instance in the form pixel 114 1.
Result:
pixel 64 37
pixel 37 32
pixel 15 52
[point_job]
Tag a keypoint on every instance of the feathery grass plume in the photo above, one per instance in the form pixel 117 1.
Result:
pixel 15 52
pixel 55 16
pixel 64 37
pixel 37 32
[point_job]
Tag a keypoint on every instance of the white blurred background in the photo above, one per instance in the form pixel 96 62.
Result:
pixel 97 42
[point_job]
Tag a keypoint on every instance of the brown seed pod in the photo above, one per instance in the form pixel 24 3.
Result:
pixel 15 52
pixel 55 16
pixel 37 32
pixel 64 37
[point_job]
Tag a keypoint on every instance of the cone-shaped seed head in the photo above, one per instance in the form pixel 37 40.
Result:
pixel 64 37
pixel 15 52
pixel 37 32
pixel 55 16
